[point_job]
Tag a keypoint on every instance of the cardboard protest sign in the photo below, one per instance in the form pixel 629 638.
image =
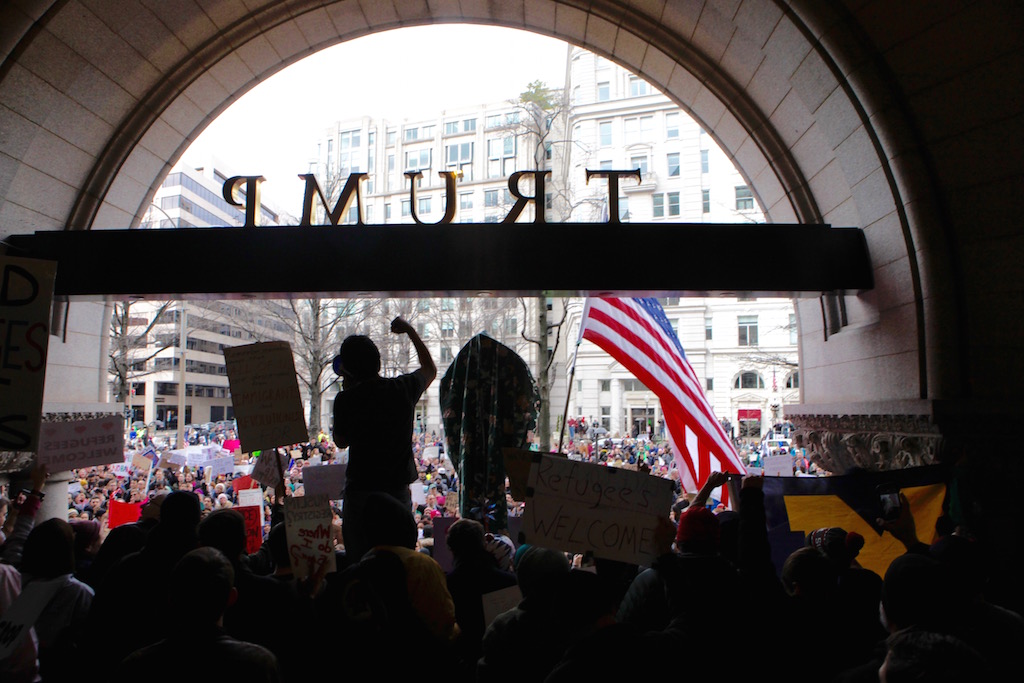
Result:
pixel 500 601
pixel 247 497
pixel 517 468
pixel 265 395
pixel 308 531
pixel 23 613
pixel 253 527
pixel 325 480
pixel 173 460
pixel 244 482
pixel 26 292
pixel 576 507
pixel 120 470
pixel 418 492
pixel 778 465
pixel 83 443
pixel 431 453
pixel 266 471
pixel 141 462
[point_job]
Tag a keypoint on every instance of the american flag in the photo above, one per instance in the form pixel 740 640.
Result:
pixel 637 333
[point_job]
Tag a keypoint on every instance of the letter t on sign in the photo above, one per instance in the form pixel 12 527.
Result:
pixel 613 188
pixel 251 196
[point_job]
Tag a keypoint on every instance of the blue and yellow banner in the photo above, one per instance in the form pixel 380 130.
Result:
pixel 796 506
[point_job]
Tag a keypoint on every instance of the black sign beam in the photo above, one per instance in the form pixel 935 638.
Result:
pixel 598 259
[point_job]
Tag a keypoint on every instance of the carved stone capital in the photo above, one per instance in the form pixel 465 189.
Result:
pixel 839 443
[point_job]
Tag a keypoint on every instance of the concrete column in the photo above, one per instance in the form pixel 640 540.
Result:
pixel 616 406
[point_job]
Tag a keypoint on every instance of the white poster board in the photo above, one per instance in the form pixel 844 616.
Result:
pixel 26 292
pixel 578 507
pixel 66 446
pixel 324 480
pixel 265 395
pixel 249 497
pixel 500 601
pixel 308 531
pixel 222 465
pixel 778 465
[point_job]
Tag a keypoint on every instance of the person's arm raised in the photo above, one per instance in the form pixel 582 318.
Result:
pixel 427 369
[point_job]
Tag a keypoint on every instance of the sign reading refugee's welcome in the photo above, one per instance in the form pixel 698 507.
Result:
pixel 265 395
pixel 578 507
pixel 83 443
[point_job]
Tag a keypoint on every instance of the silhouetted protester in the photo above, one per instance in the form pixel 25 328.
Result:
pixel 21 666
pixel 916 656
pixel 373 417
pixel 115 630
pixel 476 573
pixel 200 587
pixel 124 540
pixel 87 544
pixel 49 555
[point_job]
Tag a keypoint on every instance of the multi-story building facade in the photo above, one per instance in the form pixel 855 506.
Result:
pixel 191 196
pixel 745 350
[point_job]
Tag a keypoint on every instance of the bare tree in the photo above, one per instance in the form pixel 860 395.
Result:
pixel 131 347
pixel 546 336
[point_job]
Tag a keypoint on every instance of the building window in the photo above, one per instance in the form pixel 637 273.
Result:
pixel 638 87
pixel 490 198
pixel 466 200
pixel 747 330
pixel 423 205
pixel 647 128
pixel 639 162
pixel 604 91
pixel 446 355
pixel 631 127
pixel 624 209
pixel 606 385
pixel 412 134
pixel 793 381
pixel 673 203
pixel 673 165
pixel 417 160
pixel 672 125
pixel 708 329
pixel 447 329
pixel 749 380
pixel 406 207
pixel 348 139
pixel 493 121
pixel 705 201
pixel 511 326
pixel 744 198
pixel 468 125
pixel 451 127
pixel 704 161
pixel 709 383
pixel 658 205
pixel 604 132
pixel 427 132
pixel 390 138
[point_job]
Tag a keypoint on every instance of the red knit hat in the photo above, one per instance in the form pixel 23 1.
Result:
pixel 698 525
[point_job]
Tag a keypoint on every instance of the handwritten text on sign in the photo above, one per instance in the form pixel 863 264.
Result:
pixel 576 507
pixel 265 395
pixel 308 531
pixel 26 291
pixel 83 443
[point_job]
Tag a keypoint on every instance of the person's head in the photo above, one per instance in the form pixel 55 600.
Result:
pixel 49 550
pixel 698 532
pixel 539 571
pixel 915 655
pixel 224 530
pixel 809 574
pixel 917 592
pixel 466 539
pixel 359 358
pixel 389 522
pixel 205 580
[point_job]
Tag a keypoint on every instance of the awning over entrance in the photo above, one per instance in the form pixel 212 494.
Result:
pixel 748 414
pixel 470 259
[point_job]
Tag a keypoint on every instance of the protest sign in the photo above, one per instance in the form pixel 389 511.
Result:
pixel 23 613
pixel 314 460
pixel 83 443
pixel 120 470
pixel 253 527
pixel 308 532
pixel 222 465
pixel 265 395
pixel 517 468
pixel 500 601
pixel 173 460
pixel 119 513
pixel 325 480
pixel 578 507
pixel 247 497
pixel 431 453
pixel 242 483
pixel 75 487
pixel 778 465
pixel 231 445
pixel 418 492
pixel 26 292
pixel 266 470
pixel 141 462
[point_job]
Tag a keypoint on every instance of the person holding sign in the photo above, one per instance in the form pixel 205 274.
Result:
pixel 373 418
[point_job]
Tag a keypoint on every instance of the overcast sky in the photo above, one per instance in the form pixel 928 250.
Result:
pixel 409 72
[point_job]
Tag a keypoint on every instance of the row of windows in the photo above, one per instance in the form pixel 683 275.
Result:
pixel 667 203
pixel 637 129
pixel 636 87
pixel 744 380
pixel 215 198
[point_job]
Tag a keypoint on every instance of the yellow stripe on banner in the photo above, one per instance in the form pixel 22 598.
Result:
pixel 807 513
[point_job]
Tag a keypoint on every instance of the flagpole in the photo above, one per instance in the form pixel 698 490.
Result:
pixel 572 374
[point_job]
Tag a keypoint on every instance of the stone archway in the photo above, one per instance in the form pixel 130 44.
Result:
pixel 102 100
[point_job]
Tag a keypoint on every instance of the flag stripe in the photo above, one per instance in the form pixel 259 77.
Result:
pixel 637 333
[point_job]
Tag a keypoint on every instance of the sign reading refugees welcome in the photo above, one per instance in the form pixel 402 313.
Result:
pixel 265 395
pixel 579 507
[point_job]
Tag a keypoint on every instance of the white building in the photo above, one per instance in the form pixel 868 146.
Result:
pixel 191 196
pixel 744 350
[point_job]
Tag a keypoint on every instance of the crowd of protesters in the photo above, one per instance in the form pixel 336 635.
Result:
pixel 711 605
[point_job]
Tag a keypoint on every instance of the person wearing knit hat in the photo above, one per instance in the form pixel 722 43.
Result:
pixel 698 531
pixel 837 544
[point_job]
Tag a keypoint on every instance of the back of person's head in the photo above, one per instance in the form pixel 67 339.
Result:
pixel 916 592
pixel 225 531
pixel 962 556
pixel 389 522
pixel 359 357
pixel 277 543
pixel 809 574
pixel 837 544
pixel 180 510
pixel 539 571
pixel 466 539
pixel 204 580
pixel 915 655
pixel 87 537
pixel 49 550
pixel 698 532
